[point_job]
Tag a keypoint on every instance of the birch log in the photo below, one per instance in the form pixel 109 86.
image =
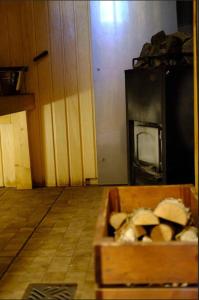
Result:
pixel 173 210
pixel 144 216
pixel 117 219
pixel 162 232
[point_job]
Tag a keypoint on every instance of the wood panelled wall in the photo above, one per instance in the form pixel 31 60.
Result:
pixel 62 127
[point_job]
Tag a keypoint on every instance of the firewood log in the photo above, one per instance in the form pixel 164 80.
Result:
pixel 146 239
pixel 129 232
pixel 138 230
pixel 189 234
pixel 125 234
pixel 167 285
pixel 117 219
pixel 184 284
pixel 162 232
pixel 173 210
pixel 175 284
pixel 144 216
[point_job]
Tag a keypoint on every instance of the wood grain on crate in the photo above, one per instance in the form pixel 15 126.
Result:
pixel 147 293
pixel 147 196
pixel 158 262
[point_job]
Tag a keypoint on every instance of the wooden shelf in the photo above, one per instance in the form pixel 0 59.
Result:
pixel 15 103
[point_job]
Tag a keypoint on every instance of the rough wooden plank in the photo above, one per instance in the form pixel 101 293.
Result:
pixel 147 293
pixel 103 218
pixel 194 204
pixel 22 157
pixel 4 61
pixel 8 155
pixel 5 119
pixel 13 104
pixel 58 103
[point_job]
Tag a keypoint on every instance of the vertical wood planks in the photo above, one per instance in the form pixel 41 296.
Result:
pixel 58 104
pixel 21 147
pixel 85 88
pixel 10 21
pixel 61 128
pixel 8 155
pixel 4 38
pixel 45 90
pixel 3 120
pixel 31 83
pixel 1 166
pixel 15 149
pixel 15 33
pixel 71 86
pixel 4 60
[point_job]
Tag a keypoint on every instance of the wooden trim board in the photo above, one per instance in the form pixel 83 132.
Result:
pixel 147 293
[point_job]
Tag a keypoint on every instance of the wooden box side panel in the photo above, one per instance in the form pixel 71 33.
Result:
pixel 194 205
pixel 144 263
pixel 147 293
pixel 149 196
pixel 102 222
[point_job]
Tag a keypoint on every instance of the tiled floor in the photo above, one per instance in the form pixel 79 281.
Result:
pixel 46 237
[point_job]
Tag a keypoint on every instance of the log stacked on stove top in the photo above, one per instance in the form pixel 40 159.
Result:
pixel 171 49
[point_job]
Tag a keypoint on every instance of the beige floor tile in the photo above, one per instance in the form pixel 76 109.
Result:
pixel 42 231
pixel 44 260
pixel 8 253
pixel 65 252
pixel 20 261
pixel 10 295
pixel 15 277
pixel 60 249
pixel 54 277
pixel 59 229
pixel 59 264
pixel 29 253
pixel 75 276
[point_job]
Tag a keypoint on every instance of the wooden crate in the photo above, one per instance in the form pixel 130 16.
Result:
pixel 117 265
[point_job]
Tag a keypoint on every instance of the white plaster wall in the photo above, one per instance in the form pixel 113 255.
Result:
pixel 119 29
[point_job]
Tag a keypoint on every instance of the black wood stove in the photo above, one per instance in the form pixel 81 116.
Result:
pixel 160 125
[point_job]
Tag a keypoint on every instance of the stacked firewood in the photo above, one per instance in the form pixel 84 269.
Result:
pixel 176 46
pixel 170 220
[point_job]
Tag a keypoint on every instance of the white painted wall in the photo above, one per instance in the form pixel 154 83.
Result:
pixel 119 30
